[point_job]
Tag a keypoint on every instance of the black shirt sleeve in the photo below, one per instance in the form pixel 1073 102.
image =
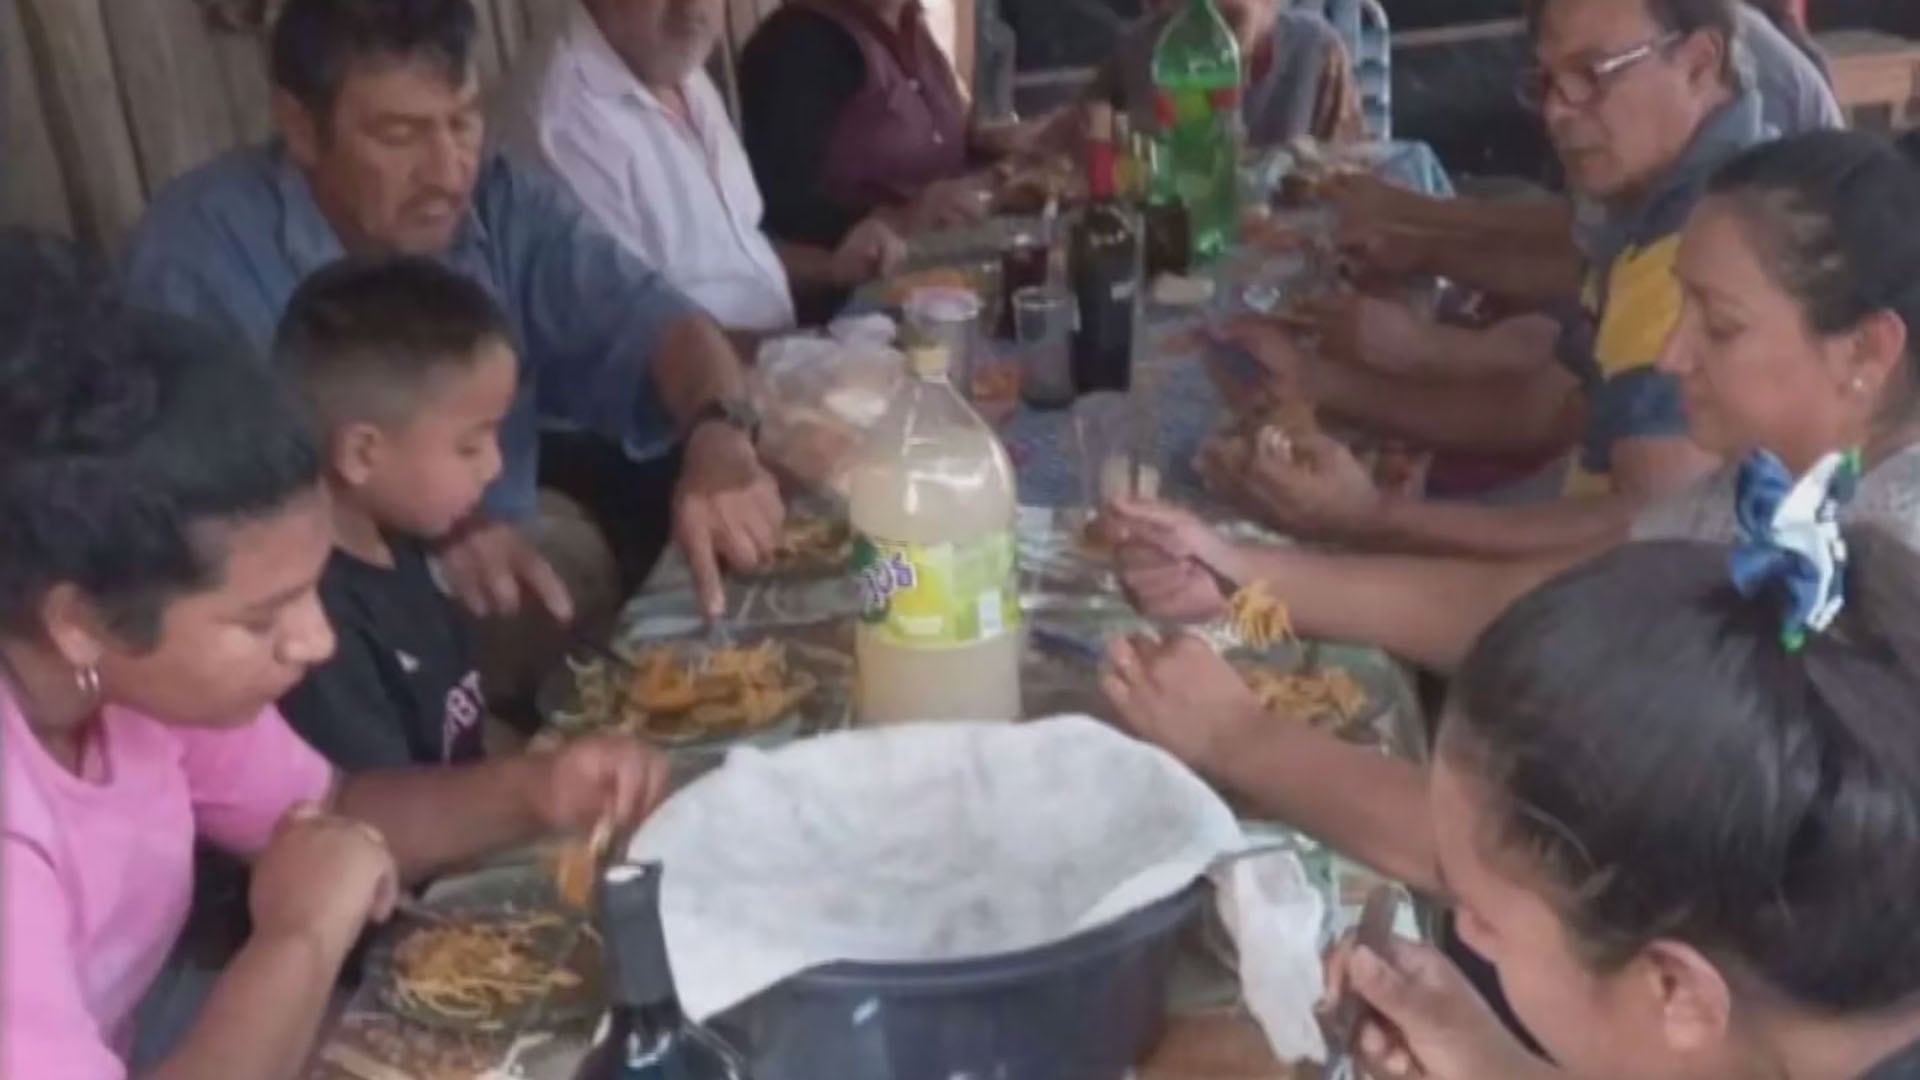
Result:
pixel 797 73
pixel 342 709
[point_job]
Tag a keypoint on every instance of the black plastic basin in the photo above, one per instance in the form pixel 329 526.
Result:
pixel 1086 1008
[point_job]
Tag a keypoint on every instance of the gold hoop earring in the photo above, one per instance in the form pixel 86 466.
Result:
pixel 87 678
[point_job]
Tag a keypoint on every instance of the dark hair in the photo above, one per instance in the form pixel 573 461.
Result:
pixel 1834 215
pixel 124 434
pixel 1682 17
pixel 364 337
pixel 315 43
pixel 1677 773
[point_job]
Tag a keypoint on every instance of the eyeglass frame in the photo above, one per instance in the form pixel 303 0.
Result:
pixel 1539 85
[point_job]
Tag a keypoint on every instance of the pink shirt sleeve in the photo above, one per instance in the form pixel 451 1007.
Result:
pixel 244 779
pixel 48 1028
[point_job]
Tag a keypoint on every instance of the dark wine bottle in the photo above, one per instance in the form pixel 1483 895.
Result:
pixel 646 1036
pixel 1103 263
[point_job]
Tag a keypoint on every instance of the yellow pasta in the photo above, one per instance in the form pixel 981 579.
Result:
pixel 483 971
pixel 1259 618
pixel 1331 695
pixel 678 696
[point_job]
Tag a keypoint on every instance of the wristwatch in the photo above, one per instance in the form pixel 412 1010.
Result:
pixel 737 413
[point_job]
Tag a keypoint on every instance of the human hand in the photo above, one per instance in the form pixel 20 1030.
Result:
pixel 1183 696
pixel 872 250
pixel 1312 484
pixel 611 777
pixel 491 567
pixel 323 877
pixel 1275 346
pixel 1169 560
pixel 1385 335
pixel 726 506
pixel 1427 1022
pixel 947 204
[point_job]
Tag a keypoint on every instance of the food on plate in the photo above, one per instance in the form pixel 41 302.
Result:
pixel 1258 617
pixel 1326 698
pixel 481 970
pixel 811 541
pixel 676 694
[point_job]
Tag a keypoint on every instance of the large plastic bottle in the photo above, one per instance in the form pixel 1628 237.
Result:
pixel 1197 80
pixel 933 509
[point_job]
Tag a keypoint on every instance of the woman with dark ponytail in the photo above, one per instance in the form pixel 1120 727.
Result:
pixel 1689 842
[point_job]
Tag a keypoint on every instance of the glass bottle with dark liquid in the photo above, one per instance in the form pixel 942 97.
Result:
pixel 645 1035
pixel 1103 260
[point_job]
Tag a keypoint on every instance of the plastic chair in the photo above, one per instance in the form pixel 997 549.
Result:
pixel 1363 26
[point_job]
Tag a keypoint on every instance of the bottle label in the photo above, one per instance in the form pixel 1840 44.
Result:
pixel 938 596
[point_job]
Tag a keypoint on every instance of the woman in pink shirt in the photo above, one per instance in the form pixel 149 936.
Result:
pixel 162 527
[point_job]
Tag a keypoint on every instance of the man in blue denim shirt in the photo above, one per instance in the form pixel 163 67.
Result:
pixel 381 150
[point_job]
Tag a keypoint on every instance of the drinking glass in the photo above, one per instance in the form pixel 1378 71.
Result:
pixel 1118 448
pixel 1043 323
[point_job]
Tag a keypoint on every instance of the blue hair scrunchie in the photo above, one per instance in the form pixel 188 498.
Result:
pixel 1790 537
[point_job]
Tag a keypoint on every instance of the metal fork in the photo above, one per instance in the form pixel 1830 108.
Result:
pixel 1375 933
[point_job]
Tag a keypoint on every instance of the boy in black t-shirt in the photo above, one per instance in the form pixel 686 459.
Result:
pixel 408 369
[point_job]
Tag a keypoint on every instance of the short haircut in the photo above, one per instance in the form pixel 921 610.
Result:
pixel 364 338
pixel 1683 18
pixel 124 435
pixel 1674 771
pixel 315 43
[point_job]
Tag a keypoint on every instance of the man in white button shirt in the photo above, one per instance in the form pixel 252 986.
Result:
pixel 620 105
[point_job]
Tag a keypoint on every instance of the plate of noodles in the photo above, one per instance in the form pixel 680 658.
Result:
pixel 811 543
pixel 759 688
pixel 1330 688
pixel 498 955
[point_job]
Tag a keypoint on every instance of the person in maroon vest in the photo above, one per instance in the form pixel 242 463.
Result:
pixel 849 107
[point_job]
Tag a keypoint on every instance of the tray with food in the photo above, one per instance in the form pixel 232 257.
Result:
pixel 695 694
pixel 495 953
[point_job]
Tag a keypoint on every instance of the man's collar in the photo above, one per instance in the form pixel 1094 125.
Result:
pixel 306 236
pixel 603 70
pixel 1729 129
pixel 309 239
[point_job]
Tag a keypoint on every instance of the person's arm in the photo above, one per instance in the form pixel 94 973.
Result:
pixel 1426 609
pixel 797 75
pixel 263 1014
pixel 436 818
pixel 1529 222
pixel 1308 779
pixel 1537 411
pixel 1521 270
pixel 1429 527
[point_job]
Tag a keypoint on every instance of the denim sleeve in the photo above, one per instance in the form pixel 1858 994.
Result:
pixel 1643 403
pixel 591 314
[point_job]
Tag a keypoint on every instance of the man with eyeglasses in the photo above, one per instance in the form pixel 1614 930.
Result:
pixel 1531 250
pixel 1641 101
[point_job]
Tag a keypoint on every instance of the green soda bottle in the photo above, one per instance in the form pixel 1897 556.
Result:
pixel 1196 80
